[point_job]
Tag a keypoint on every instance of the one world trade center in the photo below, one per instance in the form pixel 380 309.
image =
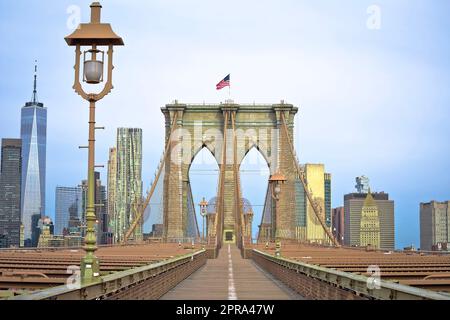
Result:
pixel 34 141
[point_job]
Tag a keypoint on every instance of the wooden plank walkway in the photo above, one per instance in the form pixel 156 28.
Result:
pixel 229 277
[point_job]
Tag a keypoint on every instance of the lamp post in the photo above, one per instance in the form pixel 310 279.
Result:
pixel 276 180
pixel 203 211
pixel 92 35
pixel 249 224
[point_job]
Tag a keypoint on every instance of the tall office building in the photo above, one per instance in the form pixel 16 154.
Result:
pixel 10 188
pixel 112 182
pixel 102 213
pixel 102 228
pixel 370 224
pixel 353 207
pixel 338 224
pixel 35 230
pixel 309 227
pixel 34 141
pixel 435 226
pixel 68 207
pixel 327 200
pixel 128 181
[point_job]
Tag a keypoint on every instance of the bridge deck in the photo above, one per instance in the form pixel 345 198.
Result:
pixel 37 269
pixel 426 271
pixel 230 277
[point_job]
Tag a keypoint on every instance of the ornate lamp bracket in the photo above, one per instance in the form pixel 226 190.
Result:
pixel 93 97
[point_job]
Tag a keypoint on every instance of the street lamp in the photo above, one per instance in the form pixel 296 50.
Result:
pixel 203 211
pixel 92 35
pixel 248 218
pixel 276 180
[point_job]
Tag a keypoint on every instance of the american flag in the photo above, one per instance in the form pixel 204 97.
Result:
pixel 224 83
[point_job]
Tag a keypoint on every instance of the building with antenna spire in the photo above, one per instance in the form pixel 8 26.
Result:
pixel 369 220
pixel 34 143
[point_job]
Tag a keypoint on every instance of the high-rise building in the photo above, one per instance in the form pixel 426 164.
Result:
pixel 100 209
pixel 35 230
pixel 46 231
pixel 102 213
pixel 309 227
pixel 435 226
pixel 370 224
pixel 22 238
pixel 353 212
pixel 10 188
pixel 34 141
pixel 112 186
pixel 327 200
pixel 68 207
pixel 338 224
pixel 128 181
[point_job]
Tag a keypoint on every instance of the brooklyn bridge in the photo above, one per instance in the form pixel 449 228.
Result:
pixel 224 262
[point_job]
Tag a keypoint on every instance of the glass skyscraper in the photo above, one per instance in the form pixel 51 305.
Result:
pixel 68 207
pixel 34 142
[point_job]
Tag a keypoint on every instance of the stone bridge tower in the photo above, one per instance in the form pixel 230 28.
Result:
pixel 203 126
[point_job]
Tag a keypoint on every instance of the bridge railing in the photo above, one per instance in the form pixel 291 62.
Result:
pixel 146 282
pixel 317 282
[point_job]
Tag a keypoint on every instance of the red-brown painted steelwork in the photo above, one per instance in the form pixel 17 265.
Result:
pixel 39 269
pixel 421 270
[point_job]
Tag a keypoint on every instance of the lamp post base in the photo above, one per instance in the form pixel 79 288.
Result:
pixel 90 269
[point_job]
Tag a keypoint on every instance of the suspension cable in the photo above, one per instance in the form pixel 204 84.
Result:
pixel 301 175
pixel 140 213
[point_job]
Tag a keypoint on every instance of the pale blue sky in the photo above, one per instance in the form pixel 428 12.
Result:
pixel 372 102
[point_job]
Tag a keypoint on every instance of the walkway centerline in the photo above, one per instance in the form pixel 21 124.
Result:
pixel 243 281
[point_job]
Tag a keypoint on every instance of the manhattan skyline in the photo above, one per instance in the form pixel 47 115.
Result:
pixel 372 102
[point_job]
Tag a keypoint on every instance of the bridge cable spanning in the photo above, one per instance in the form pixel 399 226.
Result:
pixel 302 177
pixel 142 207
pixel 266 218
pixel 192 230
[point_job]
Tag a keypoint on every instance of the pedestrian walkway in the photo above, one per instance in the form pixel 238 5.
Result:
pixel 230 277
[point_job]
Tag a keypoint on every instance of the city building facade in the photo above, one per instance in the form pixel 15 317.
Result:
pixel 35 229
pixel 68 207
pixel 10 191
pixel 128 181
pixel 112 187
pixel 353 212
pixel 308 224
pixel 47 229
pixel 435 226
pixel 370 224
pixel 101 210
pixel 338 224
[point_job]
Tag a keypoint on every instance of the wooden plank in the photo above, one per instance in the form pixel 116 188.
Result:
pixel 216 280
